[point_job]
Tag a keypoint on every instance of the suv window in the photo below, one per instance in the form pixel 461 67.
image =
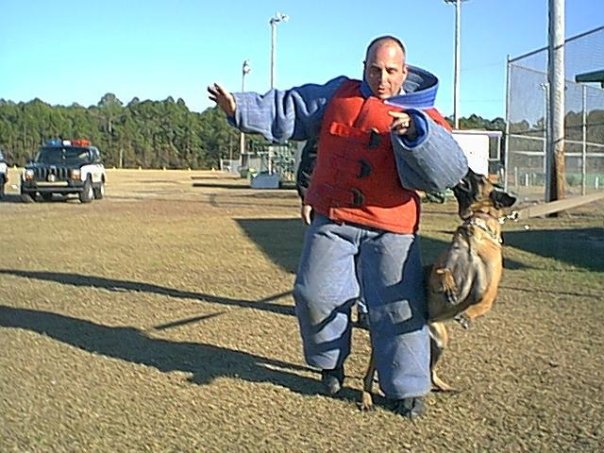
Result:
pixel 63 156
pixel 96 155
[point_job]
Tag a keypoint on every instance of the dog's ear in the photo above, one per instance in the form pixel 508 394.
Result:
pixel 467 183
pixel 502 199
pixel 463 186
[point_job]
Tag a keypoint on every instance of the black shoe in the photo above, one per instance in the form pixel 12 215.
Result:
pixel 411 408
pixel 363 321
pixel 332 380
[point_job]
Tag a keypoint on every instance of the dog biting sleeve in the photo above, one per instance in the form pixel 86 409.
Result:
pixel 434 164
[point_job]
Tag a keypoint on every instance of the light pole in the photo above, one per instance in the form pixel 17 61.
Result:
pixel 245 70
pixel 457 61
pixel 279 17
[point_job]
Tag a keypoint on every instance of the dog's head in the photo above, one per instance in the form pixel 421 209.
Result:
pixel 475 192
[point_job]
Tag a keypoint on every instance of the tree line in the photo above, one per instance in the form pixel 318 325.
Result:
pixel 146 134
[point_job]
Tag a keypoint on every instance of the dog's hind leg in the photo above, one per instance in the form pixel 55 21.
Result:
pixel 484 305
pixel 439 339
pixel 439 385
pixel 367 399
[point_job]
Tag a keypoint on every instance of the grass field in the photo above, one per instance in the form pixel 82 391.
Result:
pixel 161 319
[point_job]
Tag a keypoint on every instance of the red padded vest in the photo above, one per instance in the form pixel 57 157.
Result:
pixel 355 179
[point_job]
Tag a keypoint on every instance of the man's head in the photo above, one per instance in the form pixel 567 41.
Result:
pixel 385 68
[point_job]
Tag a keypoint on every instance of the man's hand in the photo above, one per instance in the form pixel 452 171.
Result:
pixel 223 98
pixel 403 124
pixel 306 214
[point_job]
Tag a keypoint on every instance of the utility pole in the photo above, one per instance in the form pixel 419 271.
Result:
pixel 278 18
pixel 245 70
pixel 456 76
pixel 555 187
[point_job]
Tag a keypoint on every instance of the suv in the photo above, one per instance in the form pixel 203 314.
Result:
pixel 65 167
pixel 3 174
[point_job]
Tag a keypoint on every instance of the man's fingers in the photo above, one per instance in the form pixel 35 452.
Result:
pixel 402 123
pixel 216 90
pixel 223 98
pixel 213 92
pixel 401 120
pixel 396 114
pixel 219 89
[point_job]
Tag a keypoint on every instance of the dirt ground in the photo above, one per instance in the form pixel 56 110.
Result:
pixel 161 319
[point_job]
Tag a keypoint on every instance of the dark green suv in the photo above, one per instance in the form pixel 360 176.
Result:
pixel 65 167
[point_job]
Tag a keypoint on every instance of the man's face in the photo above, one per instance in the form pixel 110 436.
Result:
pixel 385 69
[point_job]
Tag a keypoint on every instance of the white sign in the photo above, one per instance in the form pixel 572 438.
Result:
pixel 475 144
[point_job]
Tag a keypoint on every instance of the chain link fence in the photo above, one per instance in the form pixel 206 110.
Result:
pixel 274 159
pixel 527 117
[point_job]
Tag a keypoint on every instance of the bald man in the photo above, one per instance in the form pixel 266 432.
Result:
pixel 378 141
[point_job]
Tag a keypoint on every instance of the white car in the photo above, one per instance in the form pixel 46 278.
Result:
pixel 3 174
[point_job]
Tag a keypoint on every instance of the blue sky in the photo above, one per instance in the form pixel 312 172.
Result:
pixel 65 51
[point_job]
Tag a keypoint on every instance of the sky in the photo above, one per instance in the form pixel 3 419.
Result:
pixel 76 51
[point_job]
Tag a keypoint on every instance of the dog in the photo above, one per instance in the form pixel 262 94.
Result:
pixel 462 283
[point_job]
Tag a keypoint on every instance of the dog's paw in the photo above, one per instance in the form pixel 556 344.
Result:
pixel 451 296
pixel 463 320
pixel 366 404
pixel 446 285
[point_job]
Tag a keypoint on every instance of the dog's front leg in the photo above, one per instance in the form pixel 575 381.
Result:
pixel 464 320
pixel 447 285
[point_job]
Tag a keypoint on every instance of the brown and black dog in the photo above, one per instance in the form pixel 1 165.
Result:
pixel 462 283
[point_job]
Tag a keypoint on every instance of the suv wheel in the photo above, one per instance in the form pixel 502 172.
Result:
pixel 28 198
pixel 99 192
pixel 87 195
pixel 2 187
pixel 46 196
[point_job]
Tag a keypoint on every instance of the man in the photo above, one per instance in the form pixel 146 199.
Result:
pixel 379 140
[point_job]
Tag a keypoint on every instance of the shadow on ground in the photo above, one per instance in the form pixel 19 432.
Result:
pixel 580 247
pixel 205 362
pixel 219 185
pixel 281 240
pixel 12 198
pixel 108 284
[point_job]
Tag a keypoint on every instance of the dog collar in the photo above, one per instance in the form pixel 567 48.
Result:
pixel 482 224
pixel 514 215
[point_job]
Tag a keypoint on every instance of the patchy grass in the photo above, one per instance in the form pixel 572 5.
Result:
pixel 161 319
